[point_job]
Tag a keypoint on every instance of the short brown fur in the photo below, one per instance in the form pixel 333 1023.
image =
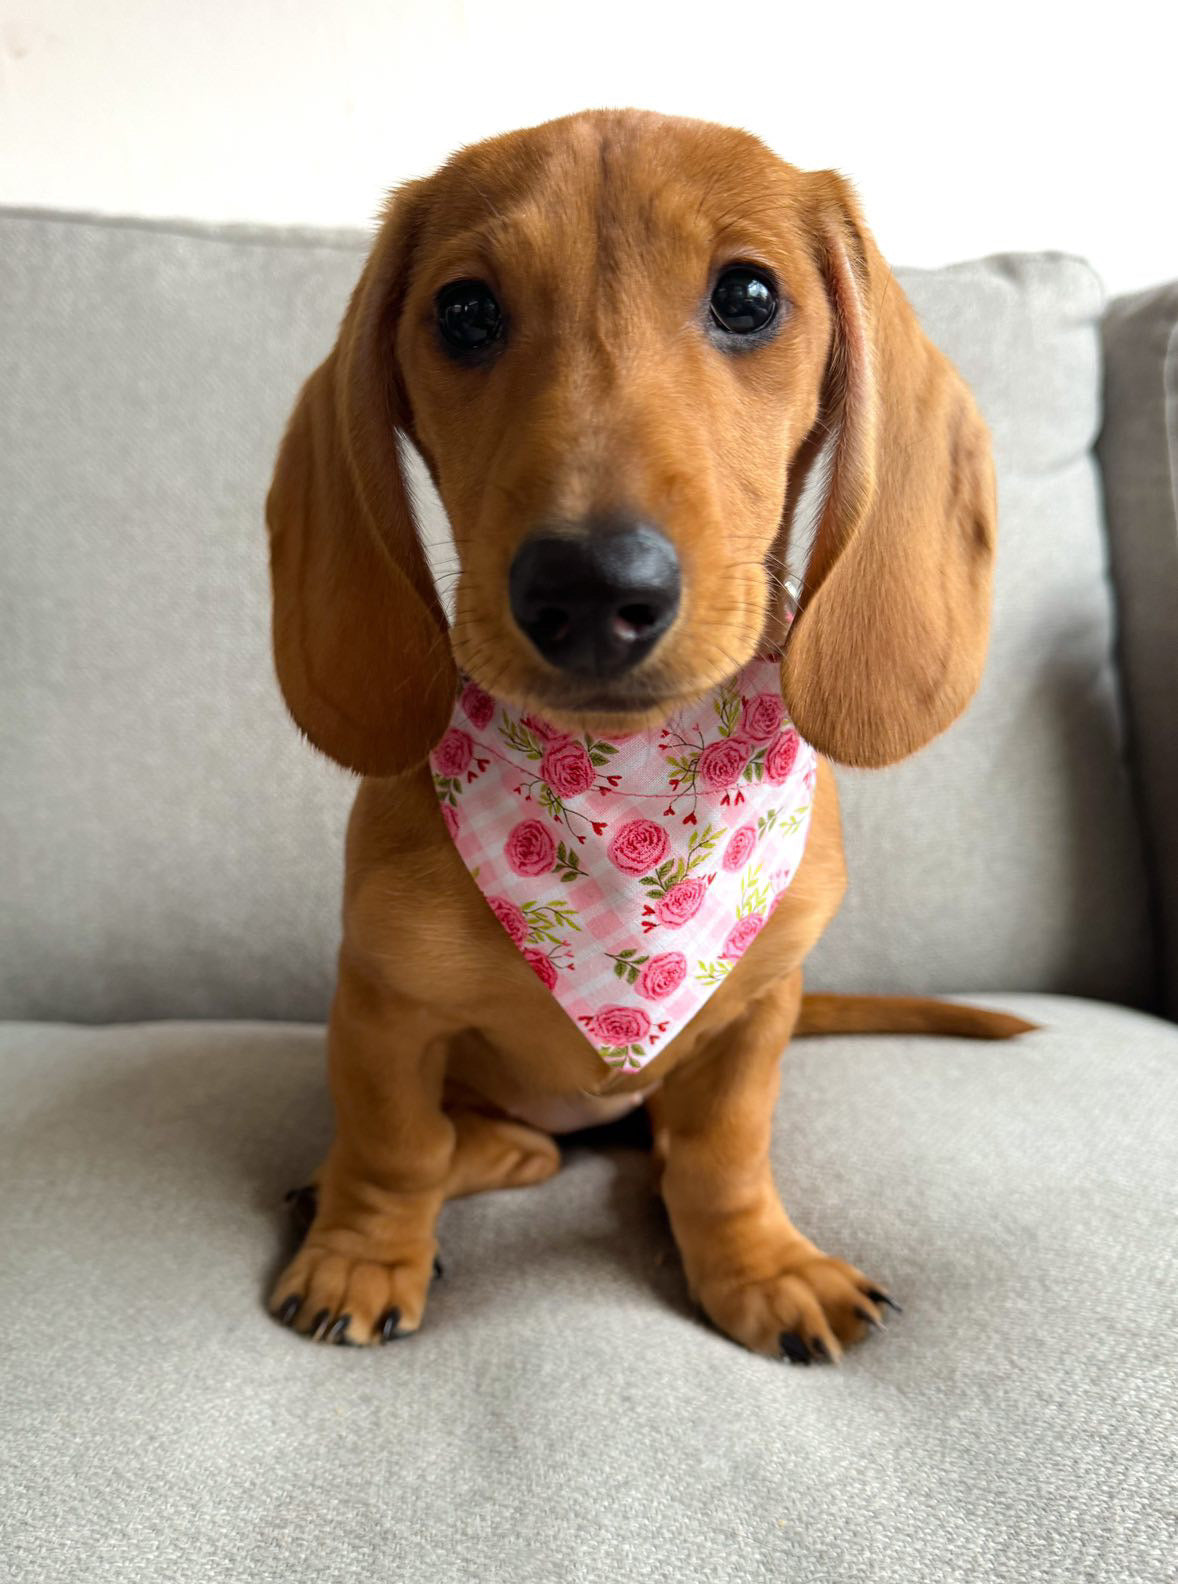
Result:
pixel 608 396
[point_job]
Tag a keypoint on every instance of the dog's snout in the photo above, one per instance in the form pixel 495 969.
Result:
pixel 596 602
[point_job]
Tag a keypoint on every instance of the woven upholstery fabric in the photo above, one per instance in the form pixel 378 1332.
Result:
pixel 564 1414
pixel 171 848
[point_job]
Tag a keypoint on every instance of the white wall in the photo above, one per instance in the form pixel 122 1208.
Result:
pixel 968 126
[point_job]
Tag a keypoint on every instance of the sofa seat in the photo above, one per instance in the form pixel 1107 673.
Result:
pixel 565 1415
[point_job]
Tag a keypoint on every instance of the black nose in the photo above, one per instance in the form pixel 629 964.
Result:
pixel 596 602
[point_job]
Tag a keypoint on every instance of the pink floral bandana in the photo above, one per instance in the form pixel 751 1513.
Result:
pixel 631 872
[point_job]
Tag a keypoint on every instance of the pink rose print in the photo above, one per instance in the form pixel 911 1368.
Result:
pixel 619 1025
pixel 721 763
pixel 763 716
pixel 680 903
pixel 740 847
pixel 662 975
pixel 541 966
pixel 452 755
pixel 529 849
pixel 477 706
pixel 780 756
pixel 741 936
pixel 638 847
pixel 450 818
pixel 567 768
pixel 510 917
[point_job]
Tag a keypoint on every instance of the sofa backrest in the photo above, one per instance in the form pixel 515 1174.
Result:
pixel 168 844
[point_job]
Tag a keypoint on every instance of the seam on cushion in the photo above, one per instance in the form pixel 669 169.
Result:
pixel 1170 401
pixel 1161 992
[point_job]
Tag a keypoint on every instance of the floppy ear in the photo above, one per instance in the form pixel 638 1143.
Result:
pixel 359 637
pixel 889 643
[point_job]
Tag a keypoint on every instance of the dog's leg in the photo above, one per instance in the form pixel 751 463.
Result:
pixel 489 1152
pixel 495 1152
pixel 756 1276
pixel 363 1272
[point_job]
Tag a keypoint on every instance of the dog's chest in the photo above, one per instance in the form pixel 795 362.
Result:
pixel 569 1114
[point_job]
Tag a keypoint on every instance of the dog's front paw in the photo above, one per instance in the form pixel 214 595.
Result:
pixel 333 1294
pixel 808 1309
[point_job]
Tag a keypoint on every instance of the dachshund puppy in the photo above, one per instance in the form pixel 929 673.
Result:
pixel 621 343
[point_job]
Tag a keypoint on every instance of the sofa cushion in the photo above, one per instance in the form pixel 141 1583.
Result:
pixel 170 844
pixel 172 848
pixel 564 1414
pixel 1139 459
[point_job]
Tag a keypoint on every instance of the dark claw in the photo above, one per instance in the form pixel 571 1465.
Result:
pixel 870 1319
pixel 819 1349
pixel 884 1298
pixel 439 1268
pixel 290 1308
pixel 338 1328
pixel 793 1348
pixel 388 1326
pixel 319 1323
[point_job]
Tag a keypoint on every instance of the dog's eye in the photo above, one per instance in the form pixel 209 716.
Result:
pixel 743 300
pixel 469 317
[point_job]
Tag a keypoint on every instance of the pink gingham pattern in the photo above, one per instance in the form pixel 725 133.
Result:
pixel 631 872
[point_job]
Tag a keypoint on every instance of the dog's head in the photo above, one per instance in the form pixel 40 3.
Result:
pixel 620 342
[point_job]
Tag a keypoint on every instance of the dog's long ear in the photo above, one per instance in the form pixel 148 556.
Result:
pixel 359 637
pixel 889 643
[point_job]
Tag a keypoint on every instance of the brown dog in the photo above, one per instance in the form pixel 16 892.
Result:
pixel 539 320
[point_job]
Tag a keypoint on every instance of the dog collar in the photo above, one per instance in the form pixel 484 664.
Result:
pixel 631 872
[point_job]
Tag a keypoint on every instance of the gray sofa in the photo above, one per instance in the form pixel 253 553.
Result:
pixel 170 864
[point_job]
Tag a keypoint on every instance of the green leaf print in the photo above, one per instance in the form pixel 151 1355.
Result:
pixel 754 894
pixel 622 1056
pixel 548 800
pixel 727 707
pixel 516 735
pixel 547 921
pixel 627 963
pixel 755 769
pixel 700 846
pixel 712 973
pixel 794 822
pixel 447 788
pixel 685 766
pixel 568 864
